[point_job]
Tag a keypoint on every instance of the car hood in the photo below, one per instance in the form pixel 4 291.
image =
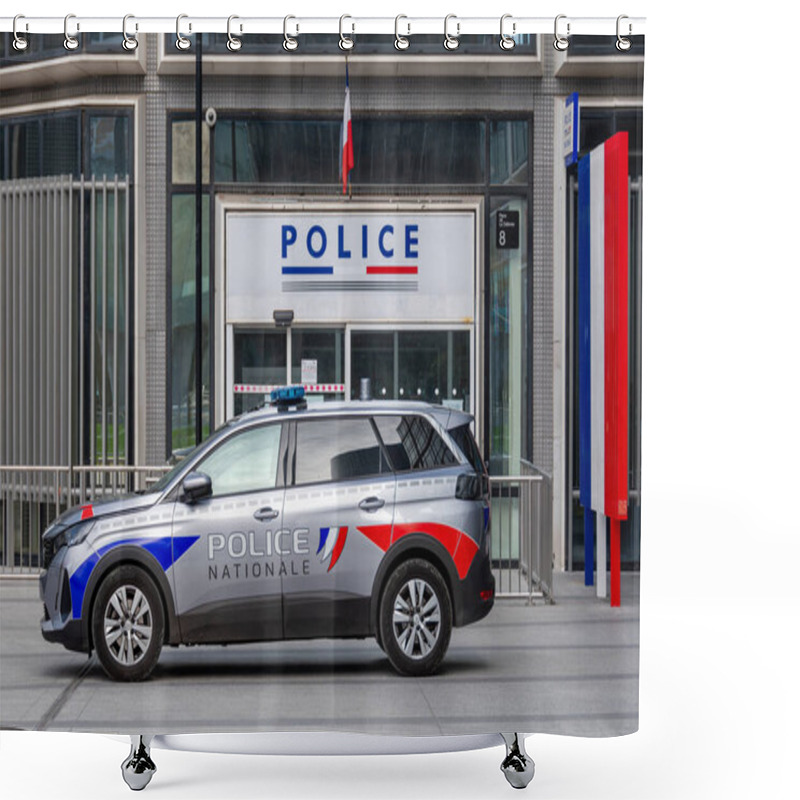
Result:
pixel 105 508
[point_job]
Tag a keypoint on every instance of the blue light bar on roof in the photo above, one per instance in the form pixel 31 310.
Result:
pixel 287 395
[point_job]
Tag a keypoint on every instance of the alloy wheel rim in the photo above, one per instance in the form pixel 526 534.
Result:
pixel 416 618
pixel 128 625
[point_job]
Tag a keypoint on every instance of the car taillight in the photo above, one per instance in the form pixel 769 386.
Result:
pixel 487 594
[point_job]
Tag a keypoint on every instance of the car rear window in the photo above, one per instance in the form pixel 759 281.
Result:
pixel 413 443
pixel 462 436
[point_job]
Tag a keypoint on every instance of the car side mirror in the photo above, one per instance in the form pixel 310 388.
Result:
pixel 195 486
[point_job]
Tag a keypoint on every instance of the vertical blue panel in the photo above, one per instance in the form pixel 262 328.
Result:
pixel 584 367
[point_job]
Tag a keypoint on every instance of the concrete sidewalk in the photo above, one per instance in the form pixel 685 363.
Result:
pixel 569 668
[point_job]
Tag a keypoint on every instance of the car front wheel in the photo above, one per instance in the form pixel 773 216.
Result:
pixel 128 624
pixel 415 618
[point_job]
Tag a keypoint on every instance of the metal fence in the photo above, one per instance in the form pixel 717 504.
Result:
pixel 65 320
pixel 32 497
pixel 522 534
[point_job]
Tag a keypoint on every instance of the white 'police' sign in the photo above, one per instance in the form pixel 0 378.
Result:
pixel 365 266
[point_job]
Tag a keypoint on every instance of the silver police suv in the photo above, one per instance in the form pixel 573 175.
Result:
pixel 341 520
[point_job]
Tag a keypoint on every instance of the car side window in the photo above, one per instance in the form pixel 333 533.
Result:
pixel 413 443
pixel 246 462
pixel 337 450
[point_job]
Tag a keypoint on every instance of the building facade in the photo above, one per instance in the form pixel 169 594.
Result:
pixel 445 273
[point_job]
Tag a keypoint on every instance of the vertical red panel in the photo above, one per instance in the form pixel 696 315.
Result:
pixel 616 347
pixel 616 326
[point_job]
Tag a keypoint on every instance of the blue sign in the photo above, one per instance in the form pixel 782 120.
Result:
pixel 571 129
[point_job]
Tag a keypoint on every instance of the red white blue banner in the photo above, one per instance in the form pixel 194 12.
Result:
pixel 603 327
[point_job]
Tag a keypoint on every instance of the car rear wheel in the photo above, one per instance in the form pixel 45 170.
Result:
pixel 415 618
pixel 128 624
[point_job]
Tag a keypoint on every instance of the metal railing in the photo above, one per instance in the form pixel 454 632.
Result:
pixel 522 534
pixel 32 497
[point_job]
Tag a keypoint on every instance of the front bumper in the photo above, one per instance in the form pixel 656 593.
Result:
pixel 57 624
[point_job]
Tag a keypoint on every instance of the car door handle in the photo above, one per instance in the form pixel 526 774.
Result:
pixel 266 514
pixel 371 504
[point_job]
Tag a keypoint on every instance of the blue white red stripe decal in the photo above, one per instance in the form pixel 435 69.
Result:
pixel 166 550
pixel 603 338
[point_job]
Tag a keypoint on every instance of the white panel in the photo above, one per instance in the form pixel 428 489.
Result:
pixel 597 325
pixel 433 254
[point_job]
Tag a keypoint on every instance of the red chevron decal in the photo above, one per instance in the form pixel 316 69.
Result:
pixel 461 547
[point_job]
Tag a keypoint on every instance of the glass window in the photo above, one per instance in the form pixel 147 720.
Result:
pixel 462 436
pixel 400 151
pixel 509 151
pixel 61 145
pixel 183 168
pixel 431 366
pixel 602 46
pixel 247 462
pixel 365 44
pixel 509 335
pixel 386 151
pixel 413 443
pixel 337 450
pixel 108 146
pixel 184 357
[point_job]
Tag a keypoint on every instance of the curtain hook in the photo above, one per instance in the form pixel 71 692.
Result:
pixel 234 43
pixel 623 43
pixel 560 42
pixel 289 43
pixel 129 43
pixel 20 42
pixel 70 42
pixel 507 41
pixel 345 42
pixel 401 42
pixel 181 42
pixel 451 42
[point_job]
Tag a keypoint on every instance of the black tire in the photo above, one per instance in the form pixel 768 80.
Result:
pixel 128 603
pixel 416 642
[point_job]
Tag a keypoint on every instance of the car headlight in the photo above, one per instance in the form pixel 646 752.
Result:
pixel 66 537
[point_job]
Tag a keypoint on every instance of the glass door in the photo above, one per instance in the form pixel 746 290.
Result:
pixel 261 359
pixel 259 364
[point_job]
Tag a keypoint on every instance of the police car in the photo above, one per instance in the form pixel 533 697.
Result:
pixel 341 520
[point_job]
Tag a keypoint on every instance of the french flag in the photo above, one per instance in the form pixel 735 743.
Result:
pixel 331 544
pixel 347 135
pixel 603 349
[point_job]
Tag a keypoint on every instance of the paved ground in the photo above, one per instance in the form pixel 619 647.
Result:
pixel 568 668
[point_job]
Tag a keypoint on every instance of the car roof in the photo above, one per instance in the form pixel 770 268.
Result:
pixel 446 417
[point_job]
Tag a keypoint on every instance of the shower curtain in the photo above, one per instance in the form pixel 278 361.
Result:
pixel 191 223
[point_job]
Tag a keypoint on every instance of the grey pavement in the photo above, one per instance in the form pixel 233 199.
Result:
pixel 568 668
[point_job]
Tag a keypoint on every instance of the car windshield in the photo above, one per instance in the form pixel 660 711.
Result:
pixel 168 477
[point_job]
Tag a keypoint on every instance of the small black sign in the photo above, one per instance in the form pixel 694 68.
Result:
pixel 507 234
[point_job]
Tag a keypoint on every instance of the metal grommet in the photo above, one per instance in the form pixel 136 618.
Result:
pixel 129 43
pixel 507 40
pixel 560 42
pixel 20 43
pixel 234 44
pixel 181 42
pixel 289 43
pixel 70 42
pixel 401 42
pixel 345 42
pixel 623 43
pixel 451 42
